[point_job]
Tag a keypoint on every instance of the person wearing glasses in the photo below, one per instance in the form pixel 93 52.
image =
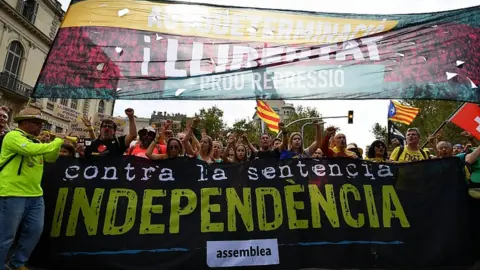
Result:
pixel 377 152
pixel 21 196
pixel 107 144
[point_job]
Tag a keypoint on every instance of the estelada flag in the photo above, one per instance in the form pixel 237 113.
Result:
pixel 268 115
pixel 401 113
pixel 468 118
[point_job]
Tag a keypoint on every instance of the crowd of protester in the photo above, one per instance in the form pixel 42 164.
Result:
pixel 24 150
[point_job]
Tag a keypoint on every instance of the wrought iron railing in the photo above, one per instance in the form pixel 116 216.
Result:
pixel 14 85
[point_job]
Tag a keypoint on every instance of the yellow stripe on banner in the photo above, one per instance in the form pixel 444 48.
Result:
pixel 221 23
pixel 400 120
pixel 410 109
pixel 268 113
pixel 406 114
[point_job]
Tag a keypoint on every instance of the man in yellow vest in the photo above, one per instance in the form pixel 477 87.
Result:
pixel 21 196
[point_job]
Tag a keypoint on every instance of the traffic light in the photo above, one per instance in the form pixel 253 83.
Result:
pixel 350 117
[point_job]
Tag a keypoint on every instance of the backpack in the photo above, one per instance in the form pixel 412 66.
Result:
pixel 400 152
pixel 10 159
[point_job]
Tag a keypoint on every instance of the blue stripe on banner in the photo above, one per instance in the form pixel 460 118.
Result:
pixel 133 251
pixel 350 243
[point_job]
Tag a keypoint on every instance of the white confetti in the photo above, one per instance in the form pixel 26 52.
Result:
pixel 400 54
pixel 180 91
pixel 474 86
pixel 424 58
pixel 100 66
pixel 157 17
pixel 103 5
pixel 252 30
pixel 349 45
pixel 268 32
pixel 123 12
pixel 213 61
pixel 118 89
pixel 146 39
pixel 459 63
pixel 435 26
pixel 411 43
pixel 451 75
pixel 118 49
pixel 159 37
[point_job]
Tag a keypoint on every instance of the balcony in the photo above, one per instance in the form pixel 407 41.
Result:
pixel 15 86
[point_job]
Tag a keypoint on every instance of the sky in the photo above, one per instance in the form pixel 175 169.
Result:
pixel 366 113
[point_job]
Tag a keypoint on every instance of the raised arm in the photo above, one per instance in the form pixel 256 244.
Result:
pixel 318 138
pixel 249 144
pixel 230 145
pixel 87 121
pixel 284 144
pixel 324 146
pixel 190 127
pixel 151 148
pixel 132 126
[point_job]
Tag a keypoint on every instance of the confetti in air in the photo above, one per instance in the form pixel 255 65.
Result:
pixel 474 86
pixel 460 63
pixel 180 91
pixel 119 50
pixel 123 12
pixel 252 30
pixel 451 75
pixel 100 66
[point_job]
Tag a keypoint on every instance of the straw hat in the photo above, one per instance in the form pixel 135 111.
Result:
pixel 29 114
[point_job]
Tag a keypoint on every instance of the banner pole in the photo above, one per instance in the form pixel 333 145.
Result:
pixel 444 123
pixel 263 126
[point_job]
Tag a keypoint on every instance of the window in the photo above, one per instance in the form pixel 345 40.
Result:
pixel 101 107
pixel 64 101
pixel 14 59
pixel 52 100
pixel 47 126
pixel 73 104
pixel 28 8
pixel 58 130
pixel 50 106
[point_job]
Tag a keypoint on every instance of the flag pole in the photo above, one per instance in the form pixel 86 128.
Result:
pixel 444 122
pixel 263 126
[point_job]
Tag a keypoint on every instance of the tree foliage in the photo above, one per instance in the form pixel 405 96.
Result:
pixel 248 127
pixel 309 130
pixel 211 121
pixel 380 132
pixel 432 114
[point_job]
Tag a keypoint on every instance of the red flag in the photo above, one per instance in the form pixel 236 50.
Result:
pixel 468 118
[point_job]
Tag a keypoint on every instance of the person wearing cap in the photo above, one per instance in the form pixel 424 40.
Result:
pixel 457 149
pixel 21 196
pixel 107 144
pixel 146 136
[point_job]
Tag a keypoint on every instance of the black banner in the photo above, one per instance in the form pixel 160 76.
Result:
pixel 133 213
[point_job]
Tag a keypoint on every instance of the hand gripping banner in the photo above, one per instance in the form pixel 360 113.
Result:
pixel 133 213
pixel 164 50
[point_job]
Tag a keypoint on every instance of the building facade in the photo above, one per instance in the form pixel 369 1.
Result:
pixel 27 30
pixel 159 118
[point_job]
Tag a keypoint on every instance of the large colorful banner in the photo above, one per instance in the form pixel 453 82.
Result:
pixel 183 214
pixel 164 50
